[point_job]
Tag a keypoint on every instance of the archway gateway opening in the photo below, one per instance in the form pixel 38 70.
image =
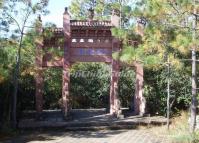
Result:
pixel 83 41
pixel 90 85
pixel 52 90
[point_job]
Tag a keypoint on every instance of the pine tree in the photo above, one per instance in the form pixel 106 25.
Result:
pixel 19 13
pixel 177 20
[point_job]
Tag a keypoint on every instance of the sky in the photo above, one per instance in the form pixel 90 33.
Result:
pixel 56 8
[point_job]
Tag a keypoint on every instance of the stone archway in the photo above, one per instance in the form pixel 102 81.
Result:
pixel 84 41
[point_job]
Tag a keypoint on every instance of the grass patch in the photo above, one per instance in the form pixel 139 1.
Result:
pixel 179 131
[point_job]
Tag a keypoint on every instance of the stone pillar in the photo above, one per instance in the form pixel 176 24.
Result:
pixel 139 100
pixel 114 99
pixel 65 89
pixel 39 70
pixel 115 20
pixel 66 64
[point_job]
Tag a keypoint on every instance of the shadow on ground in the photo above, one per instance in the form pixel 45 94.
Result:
pixel 85 124
pixel 57 135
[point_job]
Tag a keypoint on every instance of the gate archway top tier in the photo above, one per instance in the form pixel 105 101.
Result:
pixel 83 25
pixel 80 29
pixel 80 41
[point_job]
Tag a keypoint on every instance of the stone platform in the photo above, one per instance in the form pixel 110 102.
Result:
pixel 87 119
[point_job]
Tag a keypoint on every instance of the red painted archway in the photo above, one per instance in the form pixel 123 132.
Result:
pixel 83 41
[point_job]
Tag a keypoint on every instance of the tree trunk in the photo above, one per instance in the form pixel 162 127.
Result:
pixel 168 95
pixel 193 98
pixel 16 83
pixel 194 77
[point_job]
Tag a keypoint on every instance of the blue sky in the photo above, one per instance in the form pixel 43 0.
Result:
pixel 56 8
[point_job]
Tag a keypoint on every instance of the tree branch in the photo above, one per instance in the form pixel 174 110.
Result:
pixel 10 16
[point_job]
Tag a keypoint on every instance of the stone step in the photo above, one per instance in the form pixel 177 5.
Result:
pixel 81 128
pixel 97 128
pixel 86 119
pixel 87 125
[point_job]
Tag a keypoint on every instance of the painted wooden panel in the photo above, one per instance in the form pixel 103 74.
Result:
pixel 106 59
pixel 82 44
pixel 90 52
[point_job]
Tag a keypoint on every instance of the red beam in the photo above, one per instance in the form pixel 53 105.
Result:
pixel 106 59
pixel 105 44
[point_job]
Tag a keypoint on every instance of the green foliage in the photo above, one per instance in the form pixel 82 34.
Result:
pixel 155 90
pixel 168 29
pixel 79 8
pixel 103 9
pixel 17 13
pixel 7 55
pixel 89 88
pixel 120 33
pixel 90 85
pixel 52 88
pixel 127 87
pixel 6 58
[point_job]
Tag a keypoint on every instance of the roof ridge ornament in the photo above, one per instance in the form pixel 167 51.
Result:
pixel 39 18
pixel 66 10
pixel 91 14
